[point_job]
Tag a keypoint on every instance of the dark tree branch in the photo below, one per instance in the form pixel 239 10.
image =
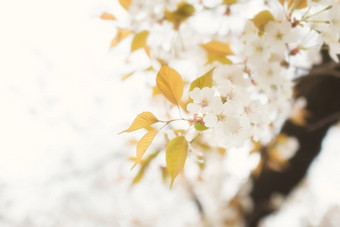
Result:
pixel 322 92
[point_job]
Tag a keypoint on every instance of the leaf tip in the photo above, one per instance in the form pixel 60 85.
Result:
pixel 134 165
pixel 172 182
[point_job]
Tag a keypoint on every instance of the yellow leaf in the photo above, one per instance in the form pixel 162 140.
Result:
pixel 165 173
pixel 184 10
pixel 223 60
pixel 261 19
pixel 155 91
pixel 229 2
pixel 139 41
pixel 139 176
pixel 170 83
pixel 297 4
pixel 256 147
pixel 176 154
pixel 217 48
pixel 280 138
pixel 147 50
pixel 258 169
pixel 127 76
pixel 222 151
pixel 161 61
pixel 107 16
pixel 184 104
pixel 133 159
pixel 121 34
pixel 149 128
pixel 203 81
pixel 141 121
pixel 132 142
pixel 150 68
pixel 143 144
pixel 144 165
pixel 125 3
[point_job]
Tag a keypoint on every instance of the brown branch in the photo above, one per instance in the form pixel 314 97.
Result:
pixel 322 92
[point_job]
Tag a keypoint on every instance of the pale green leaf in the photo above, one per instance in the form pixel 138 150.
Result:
pixel 199 127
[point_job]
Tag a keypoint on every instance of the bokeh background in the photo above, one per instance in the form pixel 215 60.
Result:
pixel 62 103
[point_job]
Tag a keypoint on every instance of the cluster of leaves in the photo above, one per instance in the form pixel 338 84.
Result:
pixel 171 85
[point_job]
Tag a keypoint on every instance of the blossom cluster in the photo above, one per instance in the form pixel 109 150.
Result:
pixel 228 108
pixel 252 65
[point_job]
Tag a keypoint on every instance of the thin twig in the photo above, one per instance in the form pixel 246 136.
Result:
pixel 321 123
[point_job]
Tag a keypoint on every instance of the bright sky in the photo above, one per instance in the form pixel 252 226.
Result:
pixel 57 77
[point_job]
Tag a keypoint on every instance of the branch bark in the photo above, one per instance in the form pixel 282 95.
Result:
pixel 322 92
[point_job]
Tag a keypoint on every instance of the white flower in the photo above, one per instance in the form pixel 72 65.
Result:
pixel 204 101
pixel 319 2
pixel 250 31
pixel 258 117
pixel 210 120
pixel 231 132
pixel 257 51
pixel 230 73
pixel 269 75
pixel 277 35
pixel 335 18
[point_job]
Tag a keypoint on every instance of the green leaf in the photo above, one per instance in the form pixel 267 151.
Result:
pixel 139 41
pixel 143 120
pixel 199 127
pixel 170 84
pixel 176 154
